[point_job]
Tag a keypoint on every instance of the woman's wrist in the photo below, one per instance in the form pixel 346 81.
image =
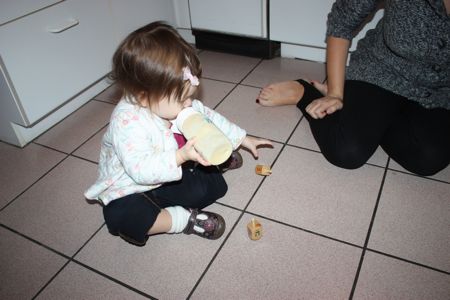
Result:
pixel 334 96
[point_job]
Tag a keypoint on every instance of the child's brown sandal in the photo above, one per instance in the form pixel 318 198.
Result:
pixel 234 162
pixel 213 227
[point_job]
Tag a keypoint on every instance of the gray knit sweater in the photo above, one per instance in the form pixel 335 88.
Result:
pixel 407 53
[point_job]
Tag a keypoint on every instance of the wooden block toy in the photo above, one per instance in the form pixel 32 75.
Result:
pixel 254 229
pixel 263 170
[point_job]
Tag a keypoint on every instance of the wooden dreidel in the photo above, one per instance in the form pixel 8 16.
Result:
pixel 263 170
pixel 254 229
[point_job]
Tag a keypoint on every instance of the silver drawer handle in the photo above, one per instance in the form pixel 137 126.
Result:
pixel 72 23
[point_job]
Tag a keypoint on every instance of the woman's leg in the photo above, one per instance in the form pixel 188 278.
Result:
pixel 419 139
pixel 286 92
pixel 281 93
pixel 349 137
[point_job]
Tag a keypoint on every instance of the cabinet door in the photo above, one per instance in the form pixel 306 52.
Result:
pixel 303 22
pixel 300 22
pixel 18 8
pixel 54 54
pixel 247 17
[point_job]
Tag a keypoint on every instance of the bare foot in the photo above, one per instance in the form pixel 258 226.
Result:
pixel 281 93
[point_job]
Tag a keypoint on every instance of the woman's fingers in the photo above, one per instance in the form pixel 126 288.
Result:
pixel 319 108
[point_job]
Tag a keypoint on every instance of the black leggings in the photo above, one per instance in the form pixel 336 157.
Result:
pixel 132 216
pixel 199 187
pixel 415 137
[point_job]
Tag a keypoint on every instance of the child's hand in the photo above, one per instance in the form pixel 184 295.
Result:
pixel 188 152
pixel 252 143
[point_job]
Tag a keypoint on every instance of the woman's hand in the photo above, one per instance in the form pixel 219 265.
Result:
pixel 252 143
pixel 321 107
pixel 337 52
pixel 188 152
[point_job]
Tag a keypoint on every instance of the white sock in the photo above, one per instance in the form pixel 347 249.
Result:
pixel 180 217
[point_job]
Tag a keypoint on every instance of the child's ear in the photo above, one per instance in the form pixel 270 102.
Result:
pixel 192 90
pixel 142 99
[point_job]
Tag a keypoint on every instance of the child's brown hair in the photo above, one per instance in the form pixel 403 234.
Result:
pixel 150 61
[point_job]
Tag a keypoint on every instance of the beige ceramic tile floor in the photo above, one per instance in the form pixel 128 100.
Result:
pixel 373 233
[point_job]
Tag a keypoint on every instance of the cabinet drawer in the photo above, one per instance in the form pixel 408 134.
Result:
pixel 138 14
pixel 18 8
pixel 304 22
pixel 55 53
pixel 300 22
pixel 248 18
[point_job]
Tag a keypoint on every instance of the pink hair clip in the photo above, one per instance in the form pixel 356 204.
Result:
pixel 187 75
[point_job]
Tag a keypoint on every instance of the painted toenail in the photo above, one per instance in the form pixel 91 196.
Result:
pixel 257 101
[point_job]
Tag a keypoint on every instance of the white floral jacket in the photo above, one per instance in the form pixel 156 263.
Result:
pixel 138 151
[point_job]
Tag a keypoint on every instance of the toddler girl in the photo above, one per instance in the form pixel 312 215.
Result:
pixel 150 179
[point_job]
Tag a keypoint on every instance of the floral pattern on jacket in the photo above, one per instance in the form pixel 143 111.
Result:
pixel 138 151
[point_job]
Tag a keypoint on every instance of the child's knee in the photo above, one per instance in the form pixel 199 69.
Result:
pixel 211 192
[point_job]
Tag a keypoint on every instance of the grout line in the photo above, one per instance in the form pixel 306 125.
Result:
pixel 90 138
pixel 214 257
pixel 32 184
pixel 235 84
pixel 250 85
pixel 34 241
pixel 224 97
pixel 223 243
pixel 115 280
pixel 369 231
pixel 66 117
pixel 378 166
pixel 219 80
pixel 251 71
pixel 85 159
pixel 240 216
pixel 344 242
pixel 72 259
pixel 103 101
pixel 419 176
pixel 334 239
pixel 305 230
pixel 50 148
pixel 242 211
pixel 409 261
pixel 51 279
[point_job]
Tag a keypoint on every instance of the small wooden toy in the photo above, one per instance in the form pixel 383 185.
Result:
pixel 263 170
pixel 254 229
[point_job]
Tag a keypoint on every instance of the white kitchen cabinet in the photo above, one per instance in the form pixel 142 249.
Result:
pixel 300 25
pixel 54 59
pixel 182 16
pixel 11 10
pixel 130 15
pixel 246 18
pixel 183 20
pixel 55 53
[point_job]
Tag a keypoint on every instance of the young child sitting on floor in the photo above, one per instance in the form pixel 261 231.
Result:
pixel 150 180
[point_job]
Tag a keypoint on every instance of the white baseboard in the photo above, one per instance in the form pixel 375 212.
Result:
pixel 24 135
pixel 303 52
